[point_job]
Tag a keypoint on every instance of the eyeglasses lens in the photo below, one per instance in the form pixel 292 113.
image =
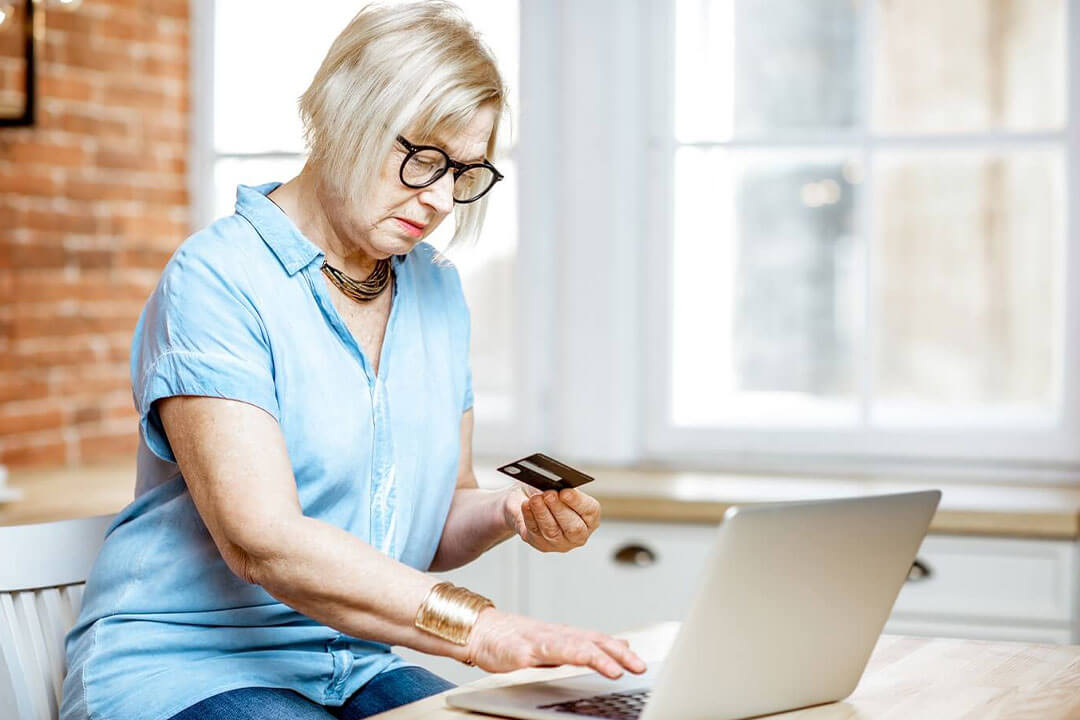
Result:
pixel 422 166
pixel 473 183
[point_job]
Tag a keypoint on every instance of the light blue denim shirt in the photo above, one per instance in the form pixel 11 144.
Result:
pixel 242 311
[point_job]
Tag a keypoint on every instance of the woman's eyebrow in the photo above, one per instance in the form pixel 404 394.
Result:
pixel 464 162
pixel 469 162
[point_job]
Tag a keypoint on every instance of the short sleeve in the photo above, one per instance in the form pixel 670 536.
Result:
pixel 200 334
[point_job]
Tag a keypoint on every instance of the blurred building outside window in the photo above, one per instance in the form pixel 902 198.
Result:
pixel 265 53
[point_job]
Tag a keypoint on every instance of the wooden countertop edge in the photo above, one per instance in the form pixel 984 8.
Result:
pixel 1032 524
pixel 72 492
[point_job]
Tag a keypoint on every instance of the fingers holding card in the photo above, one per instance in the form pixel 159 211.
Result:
pixel 556 517
pixel 545 473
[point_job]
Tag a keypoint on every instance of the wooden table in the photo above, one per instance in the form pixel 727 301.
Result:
pixel 907 679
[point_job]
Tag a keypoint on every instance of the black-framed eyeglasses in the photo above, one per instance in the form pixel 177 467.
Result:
pixel 425 164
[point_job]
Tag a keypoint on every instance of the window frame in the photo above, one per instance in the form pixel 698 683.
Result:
pixel 1049 452
pixel 594 267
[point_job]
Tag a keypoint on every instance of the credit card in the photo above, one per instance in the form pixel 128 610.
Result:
pixel 544 473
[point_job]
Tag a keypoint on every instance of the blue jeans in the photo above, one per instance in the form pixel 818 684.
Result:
pixel 385 691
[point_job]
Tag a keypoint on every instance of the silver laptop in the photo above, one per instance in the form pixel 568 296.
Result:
pixel 790 606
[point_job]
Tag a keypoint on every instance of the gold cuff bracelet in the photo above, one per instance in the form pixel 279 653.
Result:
pixel 450 612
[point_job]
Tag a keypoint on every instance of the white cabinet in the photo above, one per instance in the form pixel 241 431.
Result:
pixel 633 574
pixel 976 587
pixel 992 588
pixel 628 575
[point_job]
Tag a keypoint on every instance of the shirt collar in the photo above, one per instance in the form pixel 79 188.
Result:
pixel 293 250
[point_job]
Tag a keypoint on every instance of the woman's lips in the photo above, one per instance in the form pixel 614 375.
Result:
pixel 411 228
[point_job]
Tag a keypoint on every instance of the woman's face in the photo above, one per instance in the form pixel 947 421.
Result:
pixel 395 218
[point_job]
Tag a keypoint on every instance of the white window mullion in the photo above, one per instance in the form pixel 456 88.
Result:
pixel 1069 294
pixel 657 274
pixel 600 181
pixel 535 266
pixel 201 153
pixel 865 223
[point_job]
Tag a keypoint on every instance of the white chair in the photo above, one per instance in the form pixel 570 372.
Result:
pixel 42 571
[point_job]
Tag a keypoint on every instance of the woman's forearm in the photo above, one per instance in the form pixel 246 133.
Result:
pixel 336 578
pixel 476 523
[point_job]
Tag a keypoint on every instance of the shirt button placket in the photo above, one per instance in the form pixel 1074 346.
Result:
pixel 383 490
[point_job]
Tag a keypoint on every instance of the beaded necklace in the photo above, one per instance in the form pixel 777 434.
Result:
pixel 360 290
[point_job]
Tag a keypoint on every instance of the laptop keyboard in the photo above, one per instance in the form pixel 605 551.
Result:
pixel 618 706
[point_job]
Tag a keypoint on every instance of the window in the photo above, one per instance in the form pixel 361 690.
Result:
pixel 264 55
pixel 867 215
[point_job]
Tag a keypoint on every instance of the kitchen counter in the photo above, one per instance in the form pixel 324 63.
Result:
pixel 1051 512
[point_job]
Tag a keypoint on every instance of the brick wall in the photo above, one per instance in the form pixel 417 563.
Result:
pixel 93 201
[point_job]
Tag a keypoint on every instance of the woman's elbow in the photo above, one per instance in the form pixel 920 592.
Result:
pixel 252 555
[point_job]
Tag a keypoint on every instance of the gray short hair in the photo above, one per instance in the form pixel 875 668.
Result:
pixel 419 65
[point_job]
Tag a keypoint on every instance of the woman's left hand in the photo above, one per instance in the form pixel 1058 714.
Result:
pixel 552 521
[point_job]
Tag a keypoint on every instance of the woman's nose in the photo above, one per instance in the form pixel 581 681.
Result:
pixel 440 195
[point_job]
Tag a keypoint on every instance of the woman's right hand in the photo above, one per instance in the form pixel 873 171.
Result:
pixel 500 642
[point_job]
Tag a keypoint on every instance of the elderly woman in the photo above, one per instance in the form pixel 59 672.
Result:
pixel 301 374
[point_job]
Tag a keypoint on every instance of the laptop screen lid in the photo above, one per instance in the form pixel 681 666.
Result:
pixel 791 605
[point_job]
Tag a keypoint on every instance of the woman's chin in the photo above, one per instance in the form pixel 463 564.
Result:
pixel 397 246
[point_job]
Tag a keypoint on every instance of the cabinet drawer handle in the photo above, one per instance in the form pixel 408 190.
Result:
pixel 919 572
pixel 635 555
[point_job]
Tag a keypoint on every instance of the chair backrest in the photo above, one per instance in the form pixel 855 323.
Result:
pixel 42 571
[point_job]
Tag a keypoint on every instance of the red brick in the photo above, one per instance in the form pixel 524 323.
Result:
pixel 64 21
pixel 143 258
pixel 52 452
pixel 167 69
pixel 75 352
pixel 126 4
pixel 22 386
pixel 29 180
pixel 50 285
pixel 102 446
pixel 98 190
pixel 122 412
pixel 58 84
pixel 32 256
pixel 91 124
pixel 14 421
pixel 90 381
pixel 164 196
pixel 139 98
pixel 32 327
pixel 170 8
pixel 48 154
pixel 122 351
pixel 86 414
pixel 59 221
pixel 123 159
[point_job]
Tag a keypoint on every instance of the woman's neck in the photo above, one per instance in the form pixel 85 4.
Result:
pixel 299 199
